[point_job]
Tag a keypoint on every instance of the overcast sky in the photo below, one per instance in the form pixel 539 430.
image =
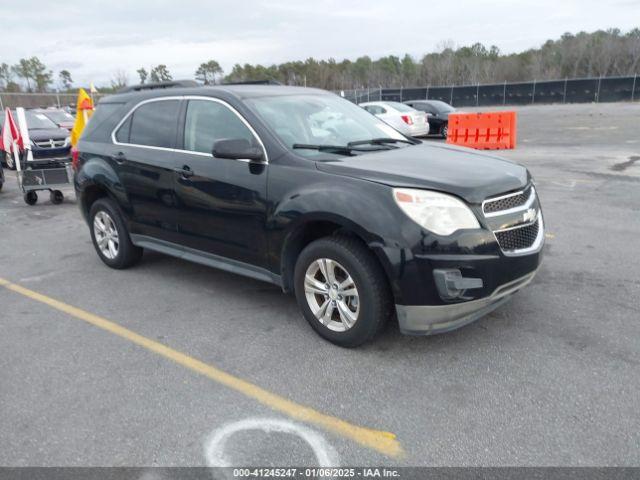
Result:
pixel 94 39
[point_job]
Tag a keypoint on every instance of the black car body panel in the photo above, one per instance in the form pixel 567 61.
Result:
pixel 464 172
pixel 255 216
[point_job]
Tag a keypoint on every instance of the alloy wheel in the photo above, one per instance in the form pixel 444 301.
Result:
pixel 106 234
pixel 332 294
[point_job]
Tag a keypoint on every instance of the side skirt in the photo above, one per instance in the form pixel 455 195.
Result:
pixel 205 258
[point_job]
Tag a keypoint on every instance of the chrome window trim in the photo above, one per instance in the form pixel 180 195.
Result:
pixel 535 246
pixel 525 206
pixel 179 150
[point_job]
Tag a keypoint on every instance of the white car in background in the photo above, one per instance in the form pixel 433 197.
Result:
pixel 403 118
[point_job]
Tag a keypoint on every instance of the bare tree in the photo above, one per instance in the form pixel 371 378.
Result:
pixel 119 79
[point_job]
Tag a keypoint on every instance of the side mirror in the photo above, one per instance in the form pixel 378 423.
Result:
pixel 237 149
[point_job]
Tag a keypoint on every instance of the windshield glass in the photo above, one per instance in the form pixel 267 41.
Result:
pixel 59 116
pixel 38 121
pixel 320 120
pixel 401 107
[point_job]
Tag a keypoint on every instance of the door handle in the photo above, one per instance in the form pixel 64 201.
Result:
pixel 119 158
pixel 185 171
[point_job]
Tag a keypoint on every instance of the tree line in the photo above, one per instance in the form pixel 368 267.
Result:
pixel 600 53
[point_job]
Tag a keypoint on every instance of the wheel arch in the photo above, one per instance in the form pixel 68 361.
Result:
pixel 96 180
pixel 319 225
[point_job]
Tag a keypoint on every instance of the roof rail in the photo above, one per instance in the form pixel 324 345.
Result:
pixel 157 85
pixel 255 82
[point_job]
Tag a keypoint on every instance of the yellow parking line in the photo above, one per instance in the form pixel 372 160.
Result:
pixel 381 441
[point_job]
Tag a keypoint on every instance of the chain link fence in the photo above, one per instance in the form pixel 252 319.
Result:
pixel 40 100
pixel 578 90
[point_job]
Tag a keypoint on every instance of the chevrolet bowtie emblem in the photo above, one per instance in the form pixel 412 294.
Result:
pixel 529 215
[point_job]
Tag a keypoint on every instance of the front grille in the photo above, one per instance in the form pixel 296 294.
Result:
pixel 53 143
pixel 507 202
pixel 518 238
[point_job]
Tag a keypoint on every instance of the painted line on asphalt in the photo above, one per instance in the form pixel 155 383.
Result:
pixel 380 441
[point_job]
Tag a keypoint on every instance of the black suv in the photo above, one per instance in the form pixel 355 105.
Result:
pixel 303 189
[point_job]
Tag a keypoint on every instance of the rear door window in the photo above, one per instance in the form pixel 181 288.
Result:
pixel 154 124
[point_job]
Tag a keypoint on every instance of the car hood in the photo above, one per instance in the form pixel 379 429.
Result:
pixel 466 173
pixel 47 133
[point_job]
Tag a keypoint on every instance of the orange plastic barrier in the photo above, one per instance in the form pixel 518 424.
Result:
pixel 484 131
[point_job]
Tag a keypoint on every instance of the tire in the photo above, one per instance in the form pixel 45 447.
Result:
pixel 444 130
pixel 30 198
pixel 8 159
pixel 56 197
pixel 1 185
pixel 107 227
pixel 371 304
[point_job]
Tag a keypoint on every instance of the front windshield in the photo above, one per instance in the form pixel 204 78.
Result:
pixel 37 121
pixel 312 119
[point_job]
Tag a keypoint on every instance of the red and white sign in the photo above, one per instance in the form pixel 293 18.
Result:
pixel 10 134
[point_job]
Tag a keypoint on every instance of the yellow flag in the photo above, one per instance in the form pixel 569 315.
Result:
pixel 84 107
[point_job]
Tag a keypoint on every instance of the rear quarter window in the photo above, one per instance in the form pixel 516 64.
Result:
pixel 102 121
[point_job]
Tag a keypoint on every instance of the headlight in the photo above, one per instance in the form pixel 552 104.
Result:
pixel 437 212
pixel 67 141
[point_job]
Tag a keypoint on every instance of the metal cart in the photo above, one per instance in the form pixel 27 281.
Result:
pixel 43 174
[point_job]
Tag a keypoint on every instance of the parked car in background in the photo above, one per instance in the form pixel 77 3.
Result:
pixel 403 118
pixel 438 114
pixel 58 116
pixel 303 189
pixel 48 141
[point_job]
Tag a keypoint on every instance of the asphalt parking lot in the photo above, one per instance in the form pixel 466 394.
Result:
pixel 551 378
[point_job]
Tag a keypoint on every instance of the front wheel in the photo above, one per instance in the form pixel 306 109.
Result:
pixel 8 159
pixel 444 130
pixel 342 290
pixel 30 198
pixel 110 236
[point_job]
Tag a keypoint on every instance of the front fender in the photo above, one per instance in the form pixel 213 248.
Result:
pixel 363 208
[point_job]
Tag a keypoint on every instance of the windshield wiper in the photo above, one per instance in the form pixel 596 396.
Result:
pixel 339 149
pixel 382 141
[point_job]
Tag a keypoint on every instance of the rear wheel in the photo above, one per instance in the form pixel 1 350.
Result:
pixel 110 236
pixel 341 290
pixel 56 197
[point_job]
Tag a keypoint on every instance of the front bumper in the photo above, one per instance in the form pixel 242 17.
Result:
pixel 434 319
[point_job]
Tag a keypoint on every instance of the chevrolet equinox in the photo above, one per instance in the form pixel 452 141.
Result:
pixel 303 189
